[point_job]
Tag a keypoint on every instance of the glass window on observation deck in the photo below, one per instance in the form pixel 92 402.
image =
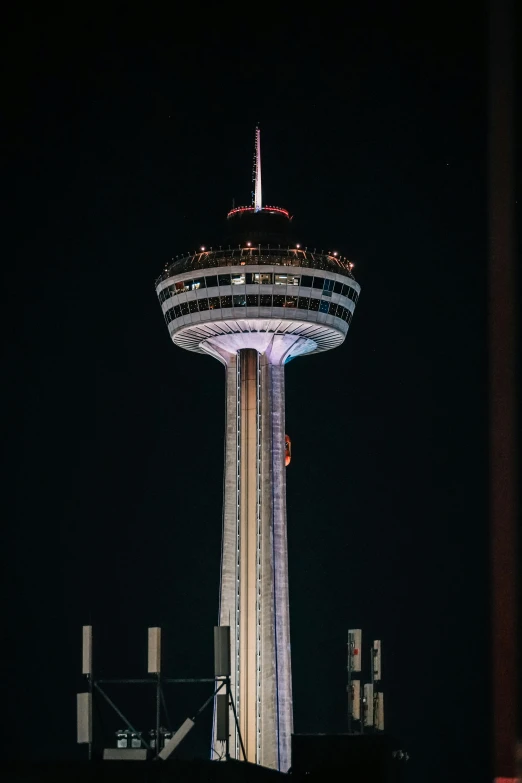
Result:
pixel 314 304
pixel 291 301
pixel 328 287
pixel 240 300
pixel 213 303
pixel 302 303
pixel 224 280
pixel 184 308
pixel 338 287
pixel 318 282
pixel 252 300
pixel 199 283
pixel 212 281
pixel 286 279
pixel 323 308
pixel 193 306
pixel 182 285
pixel 226 301
pixel 237 279
pixel 306 281
pixel 203 304
pixel 265 278
pixel 265 300
pixel 279 301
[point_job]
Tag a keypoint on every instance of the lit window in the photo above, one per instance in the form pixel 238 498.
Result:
pixel 286 279
pixel 200 283
pixel 237 279
pixel 291 301
pixel 263 277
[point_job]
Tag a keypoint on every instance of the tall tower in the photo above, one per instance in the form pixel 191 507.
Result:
pixel 254 306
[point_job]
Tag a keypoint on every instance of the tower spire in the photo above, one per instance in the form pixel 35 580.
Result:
pixel 258 205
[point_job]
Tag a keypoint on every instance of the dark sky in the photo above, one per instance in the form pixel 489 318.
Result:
pixel 130 131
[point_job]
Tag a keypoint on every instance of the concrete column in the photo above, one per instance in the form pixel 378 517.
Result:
pixel 254 571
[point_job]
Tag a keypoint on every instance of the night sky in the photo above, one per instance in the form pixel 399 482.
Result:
pixel 130 132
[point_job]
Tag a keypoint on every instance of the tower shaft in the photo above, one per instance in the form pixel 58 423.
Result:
pixel 254 571
pixel 258 198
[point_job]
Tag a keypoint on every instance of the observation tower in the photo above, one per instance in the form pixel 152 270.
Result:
pixel 254 305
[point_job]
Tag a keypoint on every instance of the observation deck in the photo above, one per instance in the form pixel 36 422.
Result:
pixel 220 301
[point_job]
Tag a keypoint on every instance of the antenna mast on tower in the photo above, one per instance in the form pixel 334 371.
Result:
pixel 257 200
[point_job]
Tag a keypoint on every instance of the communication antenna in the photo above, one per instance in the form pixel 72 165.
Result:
pixel 356 699
pixel 368 705
pixel 378 711
pixel 376 661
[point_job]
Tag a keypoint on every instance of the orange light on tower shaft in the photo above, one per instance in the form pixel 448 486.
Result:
pixel 288 451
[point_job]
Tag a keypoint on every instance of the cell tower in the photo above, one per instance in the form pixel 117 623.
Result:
pixel 255 306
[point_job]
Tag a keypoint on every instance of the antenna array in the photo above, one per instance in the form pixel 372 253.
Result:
pixel 366 704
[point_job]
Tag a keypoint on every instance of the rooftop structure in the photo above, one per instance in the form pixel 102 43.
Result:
pixel 254 305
